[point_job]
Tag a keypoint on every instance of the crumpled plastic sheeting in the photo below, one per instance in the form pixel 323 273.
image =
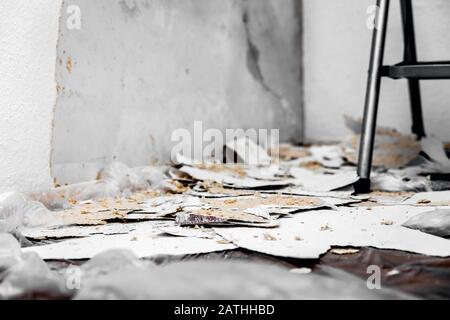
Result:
pixel 27 275
pixel 16 211
pixel 435 222
pixel 116 180
pixel 9 251
pixel 399 180
pixel 232 280
pixel 11 216
pixel 122 179
pixel 108 262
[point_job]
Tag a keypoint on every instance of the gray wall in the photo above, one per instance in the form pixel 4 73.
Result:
pixel 337 45
pixel 138 69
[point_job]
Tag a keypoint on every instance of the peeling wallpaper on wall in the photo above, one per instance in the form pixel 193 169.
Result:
pixel 139 69
pixel 28 36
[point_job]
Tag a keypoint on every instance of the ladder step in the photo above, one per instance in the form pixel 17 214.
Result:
pixel 419 70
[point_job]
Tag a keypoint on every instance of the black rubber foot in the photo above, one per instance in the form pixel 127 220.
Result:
pixel 362 186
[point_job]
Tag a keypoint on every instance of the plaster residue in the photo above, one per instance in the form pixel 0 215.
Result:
pixel 69 64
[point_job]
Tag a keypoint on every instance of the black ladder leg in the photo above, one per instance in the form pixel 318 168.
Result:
pixel 372 98
pixel 410 57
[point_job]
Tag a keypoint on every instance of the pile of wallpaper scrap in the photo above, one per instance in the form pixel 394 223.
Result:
pixel 300 204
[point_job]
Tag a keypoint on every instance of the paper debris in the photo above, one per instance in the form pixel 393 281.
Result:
pixel 189 232
pixel 323 182
pixel 77 231
pixel 271 173
pixel 200 218
pixel 216 217
pixel 298 208
pixel 328 156
pixel 351 227
pixel 98 213
pixel 248 152
pixel 391 149
pixel 85 218
pixel 389 198
pixel 299 191
pixel 146 241
pixel 216 191
pixel 232 180
pixel 268 203
pixel 435 198
pixel 344 251
pixel 163 206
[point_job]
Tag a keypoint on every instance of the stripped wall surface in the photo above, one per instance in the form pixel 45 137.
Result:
pixel 138 69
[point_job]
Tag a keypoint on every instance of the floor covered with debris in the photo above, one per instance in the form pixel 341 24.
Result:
pixel 288 228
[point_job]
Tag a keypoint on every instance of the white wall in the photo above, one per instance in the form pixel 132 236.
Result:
pixel 142 68
pixel 28 36
pixel 336 50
